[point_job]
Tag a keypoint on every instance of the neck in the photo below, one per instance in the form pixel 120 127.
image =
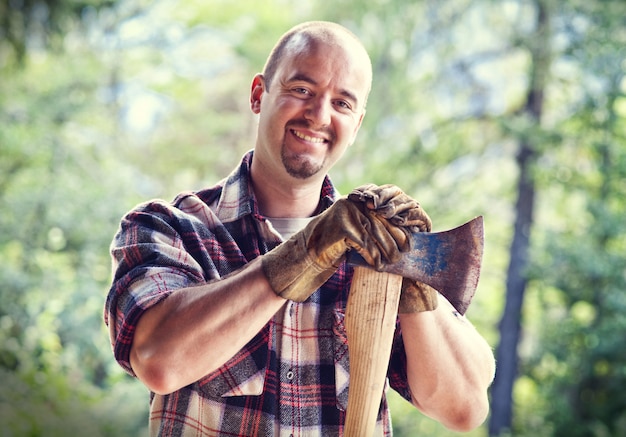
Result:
pixel 285 198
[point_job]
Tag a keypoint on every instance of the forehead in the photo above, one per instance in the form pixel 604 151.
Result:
pixel 340 63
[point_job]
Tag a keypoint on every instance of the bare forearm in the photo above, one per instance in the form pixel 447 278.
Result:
pixel 450 367
pixel 196 330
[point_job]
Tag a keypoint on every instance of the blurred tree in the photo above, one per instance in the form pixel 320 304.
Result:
pixel 530 141
pixel 114 105
pixel 40 23
pixel 58 184
pixel 61 195
pixel 579 364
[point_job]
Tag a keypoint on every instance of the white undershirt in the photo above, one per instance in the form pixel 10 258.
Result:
pixel 286 227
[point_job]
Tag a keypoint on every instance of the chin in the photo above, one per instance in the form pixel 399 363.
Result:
pixel 302 168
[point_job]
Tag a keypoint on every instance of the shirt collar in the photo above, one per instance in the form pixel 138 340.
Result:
pixel 237 198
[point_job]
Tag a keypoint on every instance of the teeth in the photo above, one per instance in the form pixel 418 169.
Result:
pixel 308 138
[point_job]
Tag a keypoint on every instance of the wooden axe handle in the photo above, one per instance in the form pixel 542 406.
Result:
pixel 371 314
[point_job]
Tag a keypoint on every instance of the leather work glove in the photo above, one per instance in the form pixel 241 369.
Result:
pixel 300 265
pixel 391 203
pixel 416 297
pixel 394 205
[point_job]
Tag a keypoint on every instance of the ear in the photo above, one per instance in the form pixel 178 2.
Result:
pixel 256 93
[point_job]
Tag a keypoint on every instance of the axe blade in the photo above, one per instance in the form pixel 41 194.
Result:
pixel 448 261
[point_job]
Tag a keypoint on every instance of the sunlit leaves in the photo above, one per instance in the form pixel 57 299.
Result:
pixel 147 99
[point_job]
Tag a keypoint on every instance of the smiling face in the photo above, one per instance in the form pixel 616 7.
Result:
pixel 312 109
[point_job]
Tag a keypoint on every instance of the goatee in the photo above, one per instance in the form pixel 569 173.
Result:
pixel 300 166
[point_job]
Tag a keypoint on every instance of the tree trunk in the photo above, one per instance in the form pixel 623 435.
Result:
pixel 510 324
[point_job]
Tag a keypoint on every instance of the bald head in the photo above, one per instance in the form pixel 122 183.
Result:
pixel 312 35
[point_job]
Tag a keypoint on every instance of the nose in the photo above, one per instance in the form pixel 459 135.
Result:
pixel 318 111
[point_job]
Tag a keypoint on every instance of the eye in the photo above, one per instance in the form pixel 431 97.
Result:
pixel 301 90
pixel 344 105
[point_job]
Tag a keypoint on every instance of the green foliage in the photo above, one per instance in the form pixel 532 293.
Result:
pixel 148 99
pixel 579 362
pixel 39 23
pixel 584 260
pixel 61 197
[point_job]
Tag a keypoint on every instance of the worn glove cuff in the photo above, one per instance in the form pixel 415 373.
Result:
pixel 291 271
pixel 417 297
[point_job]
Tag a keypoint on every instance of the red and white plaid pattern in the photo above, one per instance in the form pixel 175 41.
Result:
pixel 292 377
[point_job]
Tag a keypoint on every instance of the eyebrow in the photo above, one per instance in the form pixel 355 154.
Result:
pixel 301 77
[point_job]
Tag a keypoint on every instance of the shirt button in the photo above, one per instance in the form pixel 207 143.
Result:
pixel 289 375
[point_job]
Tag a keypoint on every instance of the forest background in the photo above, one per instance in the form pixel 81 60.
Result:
pixel 514 110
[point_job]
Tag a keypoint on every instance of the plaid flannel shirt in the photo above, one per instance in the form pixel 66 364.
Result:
pixel 291 379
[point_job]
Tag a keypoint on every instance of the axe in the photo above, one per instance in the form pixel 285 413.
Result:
pixel 448 261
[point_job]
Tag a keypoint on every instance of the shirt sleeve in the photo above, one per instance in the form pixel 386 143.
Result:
pixel 157 250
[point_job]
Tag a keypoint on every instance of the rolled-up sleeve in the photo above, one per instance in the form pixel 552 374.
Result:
pixel 156 251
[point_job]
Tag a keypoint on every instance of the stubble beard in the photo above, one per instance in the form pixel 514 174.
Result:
pixel 300 166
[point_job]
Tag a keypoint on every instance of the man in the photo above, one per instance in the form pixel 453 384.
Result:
pixel 228 303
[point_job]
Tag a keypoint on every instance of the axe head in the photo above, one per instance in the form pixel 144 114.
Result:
pixel 448 261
